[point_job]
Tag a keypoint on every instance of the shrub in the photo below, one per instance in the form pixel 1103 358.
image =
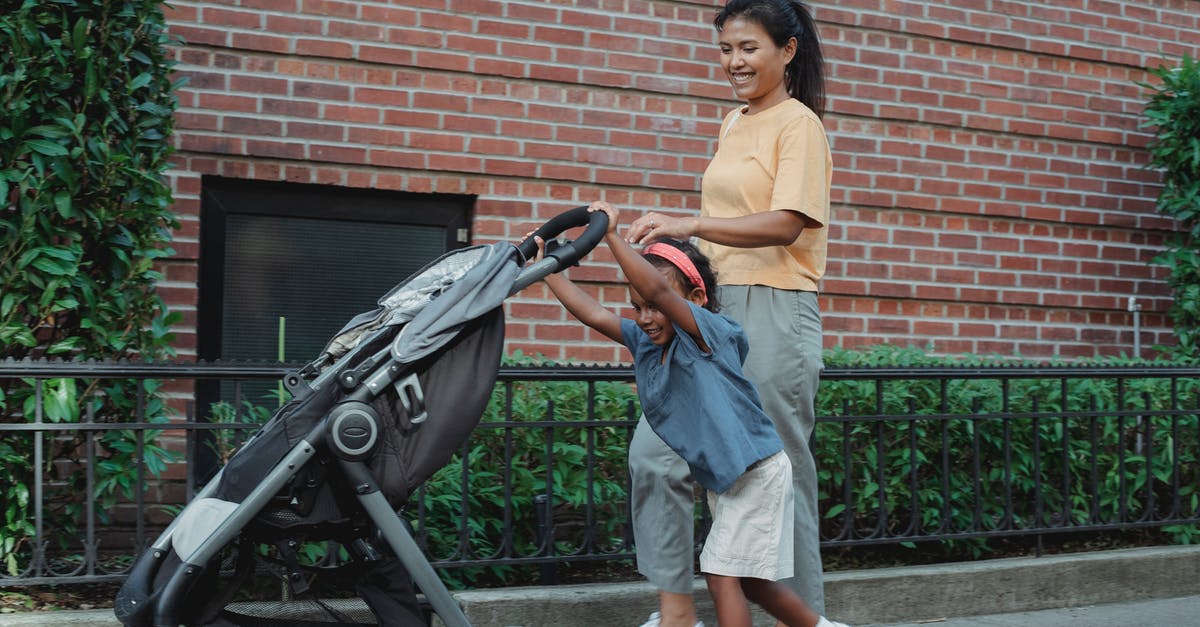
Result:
pixel 549 438
pixel 1127 435
pixel 533 431
pixel 1173 112
pixel 84 217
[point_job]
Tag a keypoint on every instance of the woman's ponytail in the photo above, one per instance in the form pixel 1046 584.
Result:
pixel 806 72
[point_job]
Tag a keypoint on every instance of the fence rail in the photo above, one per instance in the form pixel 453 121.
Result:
pixel 98 454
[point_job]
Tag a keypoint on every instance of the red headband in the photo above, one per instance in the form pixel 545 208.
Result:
pixel 681 261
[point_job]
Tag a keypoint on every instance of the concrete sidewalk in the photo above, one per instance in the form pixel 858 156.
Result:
pixel 1153 586
pixel 1177 612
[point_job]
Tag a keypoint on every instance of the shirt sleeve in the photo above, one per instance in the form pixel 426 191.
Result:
pixel 716 330
pixel 629 335
pixel 801 177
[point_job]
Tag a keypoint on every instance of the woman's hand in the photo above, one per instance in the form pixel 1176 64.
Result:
pixel 613 214
pixel 655 225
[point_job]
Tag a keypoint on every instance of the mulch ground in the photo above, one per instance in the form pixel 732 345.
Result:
pixel 67 597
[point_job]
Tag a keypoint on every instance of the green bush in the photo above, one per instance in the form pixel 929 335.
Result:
pixel 1049 444
pixel 555 449
pixel 894 478
pixel 532 431
pixel 84 217
pixel 1173 112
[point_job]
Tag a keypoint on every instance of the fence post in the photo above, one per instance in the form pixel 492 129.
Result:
pixel 543 511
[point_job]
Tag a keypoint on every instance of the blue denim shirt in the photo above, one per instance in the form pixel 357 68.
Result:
pixel 700 403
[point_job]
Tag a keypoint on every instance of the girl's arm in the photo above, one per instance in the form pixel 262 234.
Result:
pixel 651 284
pixel 585 308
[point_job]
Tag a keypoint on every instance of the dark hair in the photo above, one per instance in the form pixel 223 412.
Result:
pixel 699 259
pixel 784 19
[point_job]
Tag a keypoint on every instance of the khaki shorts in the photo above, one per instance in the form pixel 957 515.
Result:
pixel 751 533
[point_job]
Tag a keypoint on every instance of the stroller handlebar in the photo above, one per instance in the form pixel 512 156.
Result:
pixel 566 254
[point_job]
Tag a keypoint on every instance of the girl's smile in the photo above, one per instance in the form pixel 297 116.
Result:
pixel 657 325
pixel 651 320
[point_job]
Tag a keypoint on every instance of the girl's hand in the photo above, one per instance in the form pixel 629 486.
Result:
pixel 654 225
pixel 541 247
pixel 613 214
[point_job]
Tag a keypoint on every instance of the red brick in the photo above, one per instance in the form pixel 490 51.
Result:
pixel 261 42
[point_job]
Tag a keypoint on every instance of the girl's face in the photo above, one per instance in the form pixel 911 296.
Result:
pixel 650 319
pixel 753 63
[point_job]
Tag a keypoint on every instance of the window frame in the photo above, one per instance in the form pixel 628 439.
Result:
pixel 221 197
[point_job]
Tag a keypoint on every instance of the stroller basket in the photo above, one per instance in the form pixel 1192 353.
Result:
pixel 391 398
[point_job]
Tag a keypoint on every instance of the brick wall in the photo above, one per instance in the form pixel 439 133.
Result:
pixel 989 191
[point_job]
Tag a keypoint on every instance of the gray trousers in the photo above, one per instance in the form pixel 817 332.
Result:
pixel 784 363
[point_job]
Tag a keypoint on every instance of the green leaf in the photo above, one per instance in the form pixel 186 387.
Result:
pixel 53 267
pixel 140 81
pixel 48 131
pixel 46 147
pixel 62 202
pixel 79 35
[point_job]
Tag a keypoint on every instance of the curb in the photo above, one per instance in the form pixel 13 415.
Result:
pixel 882 595
pixel 1009 585
pixel 862 597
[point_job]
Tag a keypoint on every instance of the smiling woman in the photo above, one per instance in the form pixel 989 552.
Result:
pixel 753 63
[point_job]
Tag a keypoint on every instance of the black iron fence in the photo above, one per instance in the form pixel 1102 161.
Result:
pixel 99 456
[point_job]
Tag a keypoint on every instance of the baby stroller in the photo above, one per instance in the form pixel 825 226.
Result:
pixel 394 394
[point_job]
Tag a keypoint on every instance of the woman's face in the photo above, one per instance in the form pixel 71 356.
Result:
pixel 753 63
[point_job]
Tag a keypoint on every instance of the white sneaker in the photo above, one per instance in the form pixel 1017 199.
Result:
pixel 653 621
pixel 825 622
pixel 656 619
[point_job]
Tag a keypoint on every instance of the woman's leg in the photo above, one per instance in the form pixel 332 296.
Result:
pixel 786 374
pixel 676 610
pixel 662 505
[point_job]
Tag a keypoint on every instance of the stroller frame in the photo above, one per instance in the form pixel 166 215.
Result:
pixel 349 432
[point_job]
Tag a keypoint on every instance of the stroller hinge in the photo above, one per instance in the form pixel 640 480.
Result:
pixel 412 397
pixel 293 577
pixel 294 381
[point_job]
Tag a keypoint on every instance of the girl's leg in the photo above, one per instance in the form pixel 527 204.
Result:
pixel 729 600
pixel 779 601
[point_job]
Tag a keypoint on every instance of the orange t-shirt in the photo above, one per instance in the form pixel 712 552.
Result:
pixel 777 159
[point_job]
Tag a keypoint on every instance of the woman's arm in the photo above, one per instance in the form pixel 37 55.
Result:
pixel 769 228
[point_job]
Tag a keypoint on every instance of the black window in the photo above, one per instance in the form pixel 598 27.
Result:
pixel 297 261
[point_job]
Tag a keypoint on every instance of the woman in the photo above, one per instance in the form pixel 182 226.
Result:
pixel 763 214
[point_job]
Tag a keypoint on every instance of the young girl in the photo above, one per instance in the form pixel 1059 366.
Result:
pixel 688 366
